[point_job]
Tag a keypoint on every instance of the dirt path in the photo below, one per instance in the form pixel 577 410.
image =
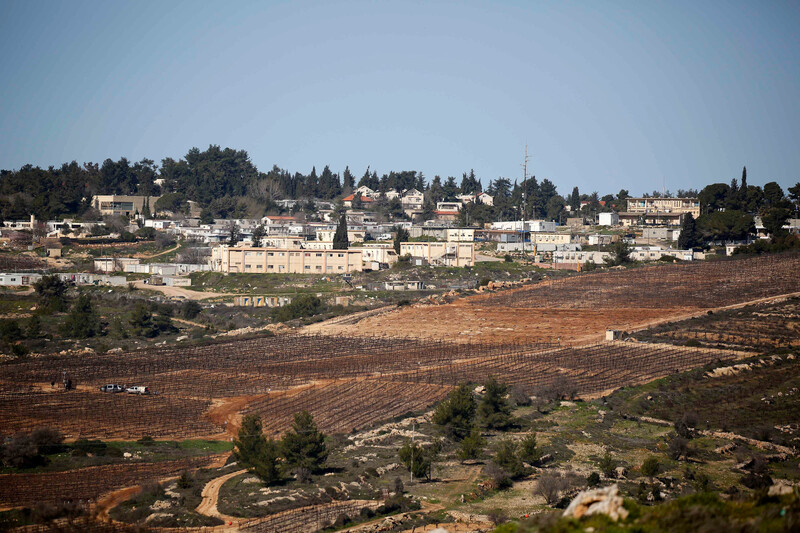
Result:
pixel 189 322
pixel 150 256
pixel 210 496
pixel 180 291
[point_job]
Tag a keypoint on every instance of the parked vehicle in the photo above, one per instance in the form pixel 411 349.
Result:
pixel 138 390
pixel 112 387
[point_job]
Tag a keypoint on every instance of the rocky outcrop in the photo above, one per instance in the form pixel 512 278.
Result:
pixel 605 501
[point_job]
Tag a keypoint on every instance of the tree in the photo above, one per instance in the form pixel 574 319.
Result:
pixel 620 254
pixel 726 225
pixel 773 220
pixel 147 325
pixel 51 291
pixel 494 411
pixel 713 197
pixel 472 445
pixel 794 193
pixel 234 235
pixel 304 445
pixel 575 200
pixel 82 321
pixel 256 451
pixel 258 235
pixel 206 216
pixel 528 449
pixel 416 460
pixel 340 239
pixel 688 237
pixel 456 413
pixel 506 457
pixel 401 235
pixel 773 194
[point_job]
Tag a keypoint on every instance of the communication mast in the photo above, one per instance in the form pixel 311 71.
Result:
pixel 524 189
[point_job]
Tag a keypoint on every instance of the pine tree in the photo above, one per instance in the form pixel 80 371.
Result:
pixel 304 445
pixel 256 451
pixel 494 411
pixel 340 240
pixel 456 413
pixel 575 200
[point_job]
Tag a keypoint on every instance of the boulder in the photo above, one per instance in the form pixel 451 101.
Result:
pixel 605 501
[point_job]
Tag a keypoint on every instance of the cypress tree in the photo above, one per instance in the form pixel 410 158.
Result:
pixel 340 241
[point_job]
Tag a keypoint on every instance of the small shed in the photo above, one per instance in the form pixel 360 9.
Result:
pixel 613 334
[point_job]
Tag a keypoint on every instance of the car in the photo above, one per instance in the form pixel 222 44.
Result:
pixel 138 390
pixel 112 387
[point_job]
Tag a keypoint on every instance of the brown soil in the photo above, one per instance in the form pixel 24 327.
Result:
pixel 465 320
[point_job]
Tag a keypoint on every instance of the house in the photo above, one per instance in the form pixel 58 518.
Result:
pixel 412 201
pixel 446 216
pixel 350 199
pixel 123 205
pixel 540 225
pixel 448 206
pixel 278 220
pixel 608 219
pixel 249 259
pixel 365 192
pixel 481 198
pixel 456 254
pixel 661 234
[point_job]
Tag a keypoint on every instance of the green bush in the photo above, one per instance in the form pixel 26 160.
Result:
pixel 302 306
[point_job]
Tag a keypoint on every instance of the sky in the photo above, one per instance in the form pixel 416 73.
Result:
pixel 606 95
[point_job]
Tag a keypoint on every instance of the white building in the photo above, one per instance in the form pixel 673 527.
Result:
pixel 608 219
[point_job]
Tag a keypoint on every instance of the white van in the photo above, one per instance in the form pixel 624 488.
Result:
pixel 138 390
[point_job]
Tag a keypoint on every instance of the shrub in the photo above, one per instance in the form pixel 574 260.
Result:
pixel 304 305
pixel 593 479
pixel 528 450
pixel 549 486
pixel 650 466
pixel 608 465
pixel 472 446
pixel 508 259
pixel 506 458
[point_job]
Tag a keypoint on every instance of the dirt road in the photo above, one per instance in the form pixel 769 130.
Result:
pixel 210 494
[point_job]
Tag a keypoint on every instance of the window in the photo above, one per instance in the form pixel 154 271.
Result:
pixel 319 255
pixel 307 267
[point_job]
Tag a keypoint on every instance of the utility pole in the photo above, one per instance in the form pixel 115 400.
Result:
pixel 413 433
pixel 524 184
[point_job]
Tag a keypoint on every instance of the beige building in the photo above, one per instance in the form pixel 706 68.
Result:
pixel 456 254
pixel 664 205
pixel 326 235
pixel 376 254
pixel 550 238
pixel 248 259
pixel 115 204
pixel 460 234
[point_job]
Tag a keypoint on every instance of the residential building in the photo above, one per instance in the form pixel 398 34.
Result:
pixel 378 255
pixel 457 254
pixel 350 199
pixel 448 206
pixel 123 205
pixel 664 205
pixel 365 191
pixel 19 279
pixel 460 234
pixel 482 198
pixel 326 235
pixel 250 259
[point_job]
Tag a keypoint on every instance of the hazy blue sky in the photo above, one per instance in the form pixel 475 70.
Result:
pixel 607 95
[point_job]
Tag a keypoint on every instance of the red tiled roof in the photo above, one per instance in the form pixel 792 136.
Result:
pixel 353 197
